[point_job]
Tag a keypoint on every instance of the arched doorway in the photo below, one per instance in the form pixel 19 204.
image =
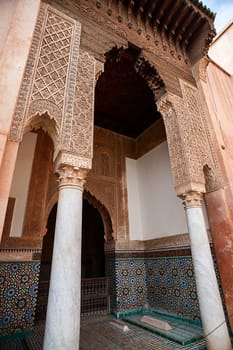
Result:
pixel 93 261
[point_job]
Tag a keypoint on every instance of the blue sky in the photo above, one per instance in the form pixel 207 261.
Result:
pixel 223 10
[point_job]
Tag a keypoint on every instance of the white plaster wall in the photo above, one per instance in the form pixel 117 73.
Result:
pixel 7 8
pixel 221 49
pixel 155 211
pixel 134 210
pixel 21 180
pixel 153 207
pixel 162 212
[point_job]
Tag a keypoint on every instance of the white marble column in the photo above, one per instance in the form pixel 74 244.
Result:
pixel 63 312
pixel 211 309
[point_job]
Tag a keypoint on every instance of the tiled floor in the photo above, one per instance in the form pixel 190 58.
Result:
pixel 98 333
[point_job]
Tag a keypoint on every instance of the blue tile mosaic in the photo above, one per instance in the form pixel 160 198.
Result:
pixel 165 284
pixel 18 294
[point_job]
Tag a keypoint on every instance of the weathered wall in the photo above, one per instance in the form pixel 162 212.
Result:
pixel 6 16
pixel 221 49
pixel 217 87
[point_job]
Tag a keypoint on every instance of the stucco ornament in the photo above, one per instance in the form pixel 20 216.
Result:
pixel 58 86
pixel 189 149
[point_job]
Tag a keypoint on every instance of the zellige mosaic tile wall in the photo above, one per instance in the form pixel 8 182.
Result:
pixel 164 283
pixel 18 294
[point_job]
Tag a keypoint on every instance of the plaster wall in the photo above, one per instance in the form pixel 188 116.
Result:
pixel 134 207
pixel 154 209
pixel 17 31
pixel 219 98
pixel 21 180
pixel 218 91
pixel 221 49
pixel 6 14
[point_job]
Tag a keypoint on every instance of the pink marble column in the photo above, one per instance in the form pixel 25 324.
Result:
pixel 211 309
pixel 6 176
pixel 13 58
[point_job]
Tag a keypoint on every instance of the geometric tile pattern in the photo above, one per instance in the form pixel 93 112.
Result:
pixel 165 284
pixel 171 286
pixel 18 294
pixel 131 284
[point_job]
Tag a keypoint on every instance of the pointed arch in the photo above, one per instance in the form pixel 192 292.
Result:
pixel 103 213
pixel 45 122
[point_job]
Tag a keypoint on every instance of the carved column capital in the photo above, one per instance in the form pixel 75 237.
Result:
pixel 71 169
pixel 192 199
pixel 69 175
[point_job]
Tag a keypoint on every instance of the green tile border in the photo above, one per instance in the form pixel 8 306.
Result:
pixel 15 336
pixel 151 311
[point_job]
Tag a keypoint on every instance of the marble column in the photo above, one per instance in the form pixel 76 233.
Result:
pixel 6 175
pixel 211 309
pixel 63 313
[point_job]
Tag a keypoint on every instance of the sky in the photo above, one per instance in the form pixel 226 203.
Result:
pixel 223 10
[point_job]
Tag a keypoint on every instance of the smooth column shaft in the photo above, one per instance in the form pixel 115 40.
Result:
pixel 63 312
pixel 212 314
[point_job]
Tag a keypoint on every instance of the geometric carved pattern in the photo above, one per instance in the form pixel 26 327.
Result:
pixel 51 72
pixel 49 82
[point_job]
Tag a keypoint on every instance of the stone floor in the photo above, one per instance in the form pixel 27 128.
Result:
pixel 98 333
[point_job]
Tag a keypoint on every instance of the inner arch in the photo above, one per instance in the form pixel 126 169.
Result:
pixel 124 102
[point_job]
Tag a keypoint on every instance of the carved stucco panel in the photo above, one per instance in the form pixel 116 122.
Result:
pixel 49 80
pixel 81 141
pixel 187 140
pixel 179 163
pixel 191 135
pixel 197 130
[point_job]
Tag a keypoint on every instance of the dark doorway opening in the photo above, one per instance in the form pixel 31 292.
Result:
pixel 93 259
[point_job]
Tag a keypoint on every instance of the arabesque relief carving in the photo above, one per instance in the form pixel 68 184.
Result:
pixel 83 114
pixel 189 154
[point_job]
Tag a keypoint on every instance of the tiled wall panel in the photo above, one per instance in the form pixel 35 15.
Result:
pixel 18 294
pixel 166 284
